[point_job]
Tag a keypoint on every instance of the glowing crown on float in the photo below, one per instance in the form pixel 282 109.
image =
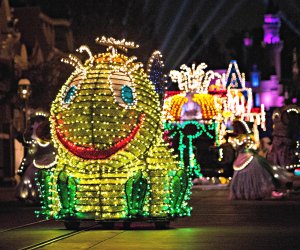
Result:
pixel 112 44
pixel 194 79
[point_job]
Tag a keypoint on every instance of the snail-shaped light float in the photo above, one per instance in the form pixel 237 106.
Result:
pixel 113 164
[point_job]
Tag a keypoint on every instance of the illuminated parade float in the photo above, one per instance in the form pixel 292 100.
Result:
pixel 197 118
pixel 113 164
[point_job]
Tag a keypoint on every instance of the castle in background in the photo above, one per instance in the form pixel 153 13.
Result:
pixel 268 85
pixel 266 54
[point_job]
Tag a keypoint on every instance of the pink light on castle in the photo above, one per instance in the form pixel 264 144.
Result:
pixel 271 39
pixel 272 19
pixel 271 29
pixel 248 41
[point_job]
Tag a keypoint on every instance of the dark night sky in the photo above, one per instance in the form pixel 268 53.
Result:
pixel 167 25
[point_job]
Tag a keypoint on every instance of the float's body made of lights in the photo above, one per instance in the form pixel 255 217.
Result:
pixel 113 164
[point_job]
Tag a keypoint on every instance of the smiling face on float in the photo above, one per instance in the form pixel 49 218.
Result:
pixel 104 109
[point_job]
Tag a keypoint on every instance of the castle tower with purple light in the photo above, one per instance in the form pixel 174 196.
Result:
pixel 272 43
pixel 266 84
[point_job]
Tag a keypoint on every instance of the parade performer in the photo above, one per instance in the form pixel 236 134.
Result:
pixel 40 154
pixel 286 126
pixel 252 178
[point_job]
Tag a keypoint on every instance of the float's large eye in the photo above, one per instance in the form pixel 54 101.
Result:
pixel 127 94
pixel 71 90
pixel 122 88
pixel 70 95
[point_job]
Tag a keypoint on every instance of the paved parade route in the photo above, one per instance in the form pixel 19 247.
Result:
pixel 216 223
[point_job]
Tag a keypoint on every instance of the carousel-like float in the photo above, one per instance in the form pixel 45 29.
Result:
pixel 198 117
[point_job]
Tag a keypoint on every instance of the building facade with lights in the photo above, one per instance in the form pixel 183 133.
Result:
pixel 28 39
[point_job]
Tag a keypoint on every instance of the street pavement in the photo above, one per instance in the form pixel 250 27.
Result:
pixel 215 223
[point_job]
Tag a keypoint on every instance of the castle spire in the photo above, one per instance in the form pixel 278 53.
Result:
pixel 295 65
pixel 272 42
pixel 272 8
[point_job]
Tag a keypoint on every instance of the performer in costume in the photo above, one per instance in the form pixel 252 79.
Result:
pixel 29 145
pixel 253 177
pixel 286 127
pixel 41 154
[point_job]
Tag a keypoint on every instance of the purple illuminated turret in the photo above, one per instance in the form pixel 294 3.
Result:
pixel 271 29
pixel 272 43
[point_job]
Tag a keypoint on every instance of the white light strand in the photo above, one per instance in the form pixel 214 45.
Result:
pixel 75 62
pixel 43 145
pixel 42 166
pixel 193 79
pixel 88 51
pixel 114 44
